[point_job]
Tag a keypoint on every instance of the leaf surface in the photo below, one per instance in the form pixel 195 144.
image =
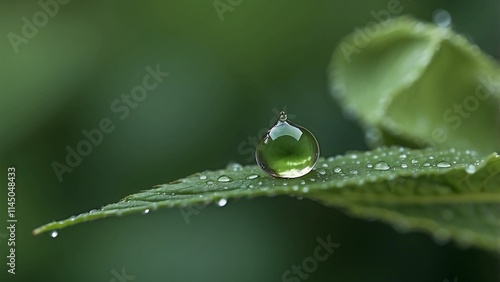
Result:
pixel 449 194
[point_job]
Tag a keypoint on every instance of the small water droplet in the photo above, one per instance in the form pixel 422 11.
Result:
pixel 403 165
pixel 259 183
pixel 221 202
pixel 321 171
pixel 337 169
pixel 402 156
pixel 305 189
pixel 443 164
pixel 312 179
pixel 353 156
pixel 210 182
pixel 369 165
pixel 324 165
pixel 354 172
pixel 146 211
pixel 382 166
pixel 427 164
pixel 224 178
pixel 54 234
pixel 234 167
pixel 252 176
pixel 203 177
pixel 303 182
pixel 251 186
pixel 414 161
pixel 431 158
pixel 295 187
pixel 470 169
pixel 442 18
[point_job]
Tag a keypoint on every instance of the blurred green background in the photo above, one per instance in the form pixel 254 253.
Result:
pixel 229 76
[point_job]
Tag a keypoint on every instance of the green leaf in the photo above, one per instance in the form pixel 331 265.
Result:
pixel 416 85
pixel 449 194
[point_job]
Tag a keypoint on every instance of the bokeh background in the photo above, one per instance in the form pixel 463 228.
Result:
pixel 229 76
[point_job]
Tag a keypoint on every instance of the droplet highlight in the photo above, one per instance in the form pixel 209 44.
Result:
pixel 221 202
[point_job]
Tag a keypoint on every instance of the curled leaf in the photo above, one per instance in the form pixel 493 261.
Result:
pixel 418 85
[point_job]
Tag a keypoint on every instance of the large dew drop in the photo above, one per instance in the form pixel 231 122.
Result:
pixel 287 150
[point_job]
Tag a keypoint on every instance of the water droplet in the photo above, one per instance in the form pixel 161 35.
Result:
pixel 210 182
pixel 382 166
pixel 324 165
pixel 203 177
pixel 251 186
pixel 414 161
pixel 54 234
pixel 221 202
pixel 234 167
pixel 287 150
pixel 402 156
pixel 305 189
pixel 443 164
pixel 252 176
pixel 404 165
pixel 295 187
pixel 354 172
pixel 427 164
pixel 442 18
pixel 224 178
pixel 337 169
pixel 369 165
pixel 259 183
pixel 312 179
pixel 302 182
pixel 321 171
pixel 470 169
pixel 146 211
